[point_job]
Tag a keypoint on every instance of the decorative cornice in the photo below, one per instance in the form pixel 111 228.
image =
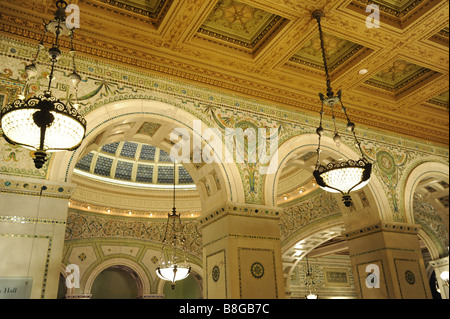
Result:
pixel 382 227
pixel 233 209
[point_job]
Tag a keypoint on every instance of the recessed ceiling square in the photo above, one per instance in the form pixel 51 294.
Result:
pixel 337 52
pixel 239 25
pixel 154 9
pixel 397 75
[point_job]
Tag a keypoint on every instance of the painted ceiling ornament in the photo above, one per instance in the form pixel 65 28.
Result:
pixel 42 122
pixel 341 176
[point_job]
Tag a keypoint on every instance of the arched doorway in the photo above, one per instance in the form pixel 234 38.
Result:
pixel 115 282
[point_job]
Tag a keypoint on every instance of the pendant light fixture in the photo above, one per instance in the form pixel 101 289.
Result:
pixel 43 123
pixel 310 282
pixel 173 267
pixel 342 176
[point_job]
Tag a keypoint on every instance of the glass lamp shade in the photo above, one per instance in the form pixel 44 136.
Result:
pixel 42 123
pixel 343 177
pixel 311 296
pixel 173 273
pixel 444 276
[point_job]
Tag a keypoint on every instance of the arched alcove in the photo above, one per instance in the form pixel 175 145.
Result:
pixel 119 265
pixel 115 282
pixel 301 151
pixel 121 121
pixel 426 192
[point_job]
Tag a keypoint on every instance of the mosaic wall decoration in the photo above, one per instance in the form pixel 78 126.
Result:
pixel 316 208
pixel 426 216
pixel 391 164
pixel 328 282
pixel 81 225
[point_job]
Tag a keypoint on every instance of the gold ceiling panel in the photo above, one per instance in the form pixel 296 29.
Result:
pixel 441 100
pixel 268 50
pixel 153 9
pixel 239 25
pixel 398 75
pixel 399 13
pixel 337 51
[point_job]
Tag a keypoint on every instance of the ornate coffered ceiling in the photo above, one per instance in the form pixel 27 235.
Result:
pixel 268 50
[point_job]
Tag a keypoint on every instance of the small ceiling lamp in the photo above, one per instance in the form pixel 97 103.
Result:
pixel 43 123
pixel 310 282
pixel 173 267
pixel 342 176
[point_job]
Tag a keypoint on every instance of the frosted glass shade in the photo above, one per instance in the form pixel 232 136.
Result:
pixel 343 177
pixel 65 132
pixel 173 273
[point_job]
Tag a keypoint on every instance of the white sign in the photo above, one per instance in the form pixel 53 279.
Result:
pixel 15 288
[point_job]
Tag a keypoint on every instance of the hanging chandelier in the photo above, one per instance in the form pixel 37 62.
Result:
pixel 310 282
pixel 173 267
pixel 342 176
pixel 43 123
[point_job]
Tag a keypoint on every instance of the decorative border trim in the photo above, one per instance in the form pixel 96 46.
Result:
pixel 274 268
pixel 398 277
pixel 29 220
pixel 224 271
pixel 244 210
pixel 383 226
pixel 47 261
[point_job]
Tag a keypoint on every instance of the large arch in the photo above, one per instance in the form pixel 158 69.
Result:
pixel 417 174
pixel 142 280
pixel 113 114
pixel 304 143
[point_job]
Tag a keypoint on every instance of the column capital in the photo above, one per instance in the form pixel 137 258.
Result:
pixel 238 209
pixel 396 227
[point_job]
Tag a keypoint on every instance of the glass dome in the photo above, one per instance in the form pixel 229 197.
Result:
pixel 133 164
